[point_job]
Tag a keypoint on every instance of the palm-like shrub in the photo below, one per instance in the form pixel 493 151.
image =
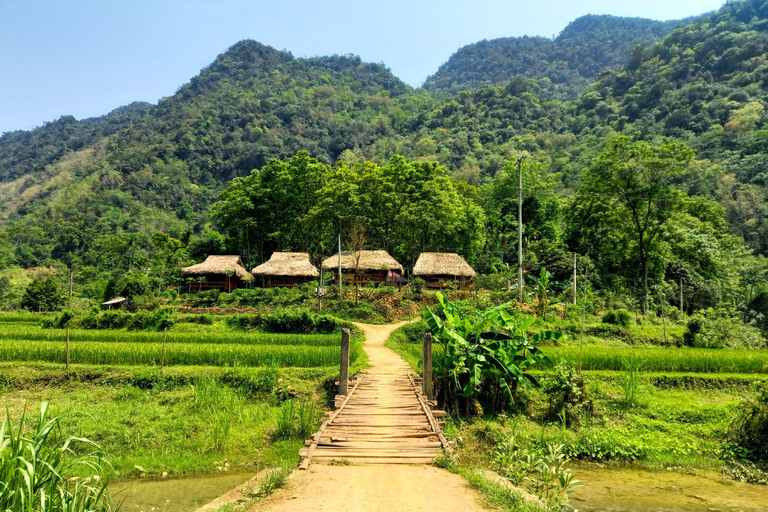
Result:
pixel 485 356
pixel 39 470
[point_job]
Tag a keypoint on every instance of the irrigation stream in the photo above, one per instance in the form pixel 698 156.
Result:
pixel 174 495
pixel 624 489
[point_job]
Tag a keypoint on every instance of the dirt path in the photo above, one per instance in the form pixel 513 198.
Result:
pixel 375 488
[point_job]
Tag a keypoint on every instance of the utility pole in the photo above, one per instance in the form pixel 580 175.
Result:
pixel 520 228
pixel 339 263
pixel 681 295
pixel 71 275
pixel 574 278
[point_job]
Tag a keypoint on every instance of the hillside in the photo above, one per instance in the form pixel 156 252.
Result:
pixel 135 193
pixel 563 65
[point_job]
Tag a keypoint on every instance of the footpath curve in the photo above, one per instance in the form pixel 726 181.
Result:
pixel 375 488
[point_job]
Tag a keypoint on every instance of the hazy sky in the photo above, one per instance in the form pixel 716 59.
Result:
pixel 87 57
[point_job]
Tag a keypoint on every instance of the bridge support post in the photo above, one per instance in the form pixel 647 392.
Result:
pixel 427 380
pixel 344 369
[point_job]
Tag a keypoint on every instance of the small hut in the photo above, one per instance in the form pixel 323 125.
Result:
pixel 116 303
pixel 287 269
pixel 373 267
pixel 224 273
pixel 440 268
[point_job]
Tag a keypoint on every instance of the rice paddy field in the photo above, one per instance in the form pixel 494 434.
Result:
pixel 26 341
pixel 226 400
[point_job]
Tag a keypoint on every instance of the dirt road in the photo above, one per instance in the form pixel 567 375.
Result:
pixel 374 488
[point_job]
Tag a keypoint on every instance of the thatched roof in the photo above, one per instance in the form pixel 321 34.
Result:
pixel 231 264
pixel 442 264
pixel 369 260
pixel 295 264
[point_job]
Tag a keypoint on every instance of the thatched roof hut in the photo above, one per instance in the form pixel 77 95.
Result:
pixel 369 260
pixel 442 264
pixel 373 267
pixel 287 269
pixel 439 268
pixel 224 272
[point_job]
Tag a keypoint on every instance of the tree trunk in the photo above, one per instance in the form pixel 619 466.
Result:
pixel 645 287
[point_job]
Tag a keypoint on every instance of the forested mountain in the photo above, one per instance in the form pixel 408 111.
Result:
pixel 219 166
pixel 563 65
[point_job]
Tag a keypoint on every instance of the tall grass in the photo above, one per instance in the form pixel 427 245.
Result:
pixel 37 469
pixel 698 360
pixel 653 359
pixel 32 333
pixel 212 354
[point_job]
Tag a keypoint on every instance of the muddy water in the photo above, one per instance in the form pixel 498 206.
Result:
pixel 638 490
pixel 175 495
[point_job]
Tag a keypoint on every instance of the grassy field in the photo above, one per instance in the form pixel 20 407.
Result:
pixel 651 359
pixel 656 406
pixel 227 400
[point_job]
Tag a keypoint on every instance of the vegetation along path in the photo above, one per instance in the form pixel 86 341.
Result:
pixel 391 423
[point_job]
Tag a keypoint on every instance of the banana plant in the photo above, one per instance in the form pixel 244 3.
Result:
pixel 488 347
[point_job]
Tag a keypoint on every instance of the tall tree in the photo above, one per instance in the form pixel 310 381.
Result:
pixel 633 180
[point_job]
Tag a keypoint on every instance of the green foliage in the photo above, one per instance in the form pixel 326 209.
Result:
pixel 567 396
pixel 699 360
pixel 563 65
pixel 43 294
pixel 720 329
pixel 478 348
pixel 543 474
pixel 749 429
pixel 38 467
pixel 620 317
pixel 290 322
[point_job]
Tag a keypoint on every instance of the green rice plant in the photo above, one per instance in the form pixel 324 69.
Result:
pixel 630 382
pixel 38 469
pixel 286 424
pixel 662 359
pixel 189 354
pixel 307 415
pixel 33 333
pixel 222 424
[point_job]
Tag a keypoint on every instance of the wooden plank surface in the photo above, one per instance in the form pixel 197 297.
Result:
pixel 383 420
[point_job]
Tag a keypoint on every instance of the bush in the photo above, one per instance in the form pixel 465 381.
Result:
pixel 721 329
pixel 620 317
pixel 749 429
pixel 113 319
pixel 300 322
pixel 43 294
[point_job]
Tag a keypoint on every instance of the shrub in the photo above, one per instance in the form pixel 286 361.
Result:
pixel 620 317
pixel 749 429
pixel 43 294
pixel 301 322
pixel 721 329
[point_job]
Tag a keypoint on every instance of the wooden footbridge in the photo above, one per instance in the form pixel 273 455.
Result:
pixel 383 417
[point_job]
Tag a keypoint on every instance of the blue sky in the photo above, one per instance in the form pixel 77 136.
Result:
pixel 87 57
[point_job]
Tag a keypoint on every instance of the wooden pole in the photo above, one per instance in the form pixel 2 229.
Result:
pixel 71 275
pixel 574 279
pixel 67 364
pixel 427 358
pixel 339 263
pixel 344 370
pixel 681 295
pixel 162 359
pixel 520 227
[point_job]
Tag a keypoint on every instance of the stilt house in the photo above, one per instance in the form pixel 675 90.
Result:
pixel 285 269
pixel 225 273
pixel 373 267
pixel 437 269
